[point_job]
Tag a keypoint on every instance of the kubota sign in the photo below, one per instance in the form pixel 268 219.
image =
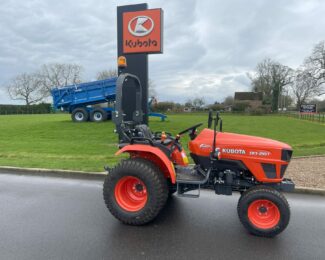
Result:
pixel 142 31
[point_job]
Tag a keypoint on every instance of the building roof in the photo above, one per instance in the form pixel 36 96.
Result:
pixel 241 96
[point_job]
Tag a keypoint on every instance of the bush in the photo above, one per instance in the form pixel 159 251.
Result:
pixel 164 107
pixel 216 107
pixel 43 108
pixel 240 106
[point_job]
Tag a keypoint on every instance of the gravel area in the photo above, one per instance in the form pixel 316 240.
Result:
pixel 307 172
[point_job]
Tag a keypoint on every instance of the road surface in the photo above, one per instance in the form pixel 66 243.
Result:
pixel 53 218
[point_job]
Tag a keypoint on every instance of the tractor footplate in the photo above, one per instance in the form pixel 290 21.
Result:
pixel 183 190
pixel 188 175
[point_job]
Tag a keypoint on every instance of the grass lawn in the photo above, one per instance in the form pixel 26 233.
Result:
pixel 53 141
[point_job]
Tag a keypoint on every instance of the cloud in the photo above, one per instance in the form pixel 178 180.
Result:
pixel 209 46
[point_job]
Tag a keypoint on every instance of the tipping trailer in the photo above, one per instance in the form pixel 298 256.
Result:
pixel 82 100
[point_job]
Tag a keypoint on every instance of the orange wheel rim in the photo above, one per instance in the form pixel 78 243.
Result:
pixel 131 193
pixel 263 214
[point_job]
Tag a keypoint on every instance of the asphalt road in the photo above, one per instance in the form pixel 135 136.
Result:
pixel 52 218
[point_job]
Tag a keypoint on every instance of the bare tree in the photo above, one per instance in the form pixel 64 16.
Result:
pixel 59 75
pixel 315 66
pixel 305 86
pixel 106 74
pixel 270 78
pixel 198 102
pixel 25 87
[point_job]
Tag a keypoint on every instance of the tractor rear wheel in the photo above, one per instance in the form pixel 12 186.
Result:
pixel 263 211
pixel 80 115
pixel 172 188
pixel 135 191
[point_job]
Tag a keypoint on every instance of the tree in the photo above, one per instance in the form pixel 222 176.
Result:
pixel 58 75
pixel 25 87
pixel 216 106
pixel 228 101
pixel 198 102
pixel 315 67
pixel 106 74
pixel 285 100
pixel 270 79
pixel 189 103
pixel 304 87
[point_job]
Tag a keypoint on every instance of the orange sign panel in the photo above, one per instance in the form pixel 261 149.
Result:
pixel 142 31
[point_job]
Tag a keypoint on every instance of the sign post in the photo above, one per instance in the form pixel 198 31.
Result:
pixel 139 32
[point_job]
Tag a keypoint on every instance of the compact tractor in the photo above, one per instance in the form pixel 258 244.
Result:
pixel 136 190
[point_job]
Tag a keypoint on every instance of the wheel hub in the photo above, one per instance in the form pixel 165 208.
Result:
pixel 131 193
pixel 79 116
pixel 262 209
pixel 98 116
pixel 264 214
pixel 139 187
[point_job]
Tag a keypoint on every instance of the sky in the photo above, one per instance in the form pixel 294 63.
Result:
pixel 209 45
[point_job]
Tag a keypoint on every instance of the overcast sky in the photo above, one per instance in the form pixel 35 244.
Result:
pixel 209 45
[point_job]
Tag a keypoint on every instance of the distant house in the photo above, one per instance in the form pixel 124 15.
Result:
pixel 252 99
pixel 228 108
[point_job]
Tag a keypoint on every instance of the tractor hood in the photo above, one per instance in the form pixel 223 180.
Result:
pixel 230 144
pixel 248 140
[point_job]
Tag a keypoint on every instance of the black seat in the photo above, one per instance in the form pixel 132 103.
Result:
pixel 144 131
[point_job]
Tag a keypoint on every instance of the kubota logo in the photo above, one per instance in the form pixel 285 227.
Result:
pixel 140 25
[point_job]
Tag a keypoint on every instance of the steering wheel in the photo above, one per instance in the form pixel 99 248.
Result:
pixel 190 128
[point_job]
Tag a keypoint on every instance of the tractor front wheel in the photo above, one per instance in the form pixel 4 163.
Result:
pixel 263 211
pixel 135 191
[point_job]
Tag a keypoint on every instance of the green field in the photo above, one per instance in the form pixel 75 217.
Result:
pixel 53 141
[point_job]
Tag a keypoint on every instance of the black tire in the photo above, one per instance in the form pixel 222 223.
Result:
pixel 154 182
pixel 109 115
pixel 172 188
pixel 279 207
pixel 98 115
pixel 80 115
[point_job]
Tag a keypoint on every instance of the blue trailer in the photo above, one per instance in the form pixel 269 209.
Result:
pixel 83 100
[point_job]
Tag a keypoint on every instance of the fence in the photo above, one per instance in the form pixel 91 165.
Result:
pixel 42 108
pixel 315 117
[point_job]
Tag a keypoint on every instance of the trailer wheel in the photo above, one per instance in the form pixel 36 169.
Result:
pixel 263 211
pixel 98 115
pixel 80 115
pixel 135 191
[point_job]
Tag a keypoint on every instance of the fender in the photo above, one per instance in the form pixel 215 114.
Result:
pixel 153 154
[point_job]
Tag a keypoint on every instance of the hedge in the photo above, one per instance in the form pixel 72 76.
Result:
pixel 43 108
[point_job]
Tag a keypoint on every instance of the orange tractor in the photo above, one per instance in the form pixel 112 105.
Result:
pixel 137 188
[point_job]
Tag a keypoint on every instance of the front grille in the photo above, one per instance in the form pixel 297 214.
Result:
pixel 283 169
pixel 269 170
pixel 286 155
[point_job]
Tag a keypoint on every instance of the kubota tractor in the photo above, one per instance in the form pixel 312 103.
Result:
pixel 137 188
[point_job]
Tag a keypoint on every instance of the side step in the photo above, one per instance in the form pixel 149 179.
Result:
pixel 188 175
pixel 188 179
